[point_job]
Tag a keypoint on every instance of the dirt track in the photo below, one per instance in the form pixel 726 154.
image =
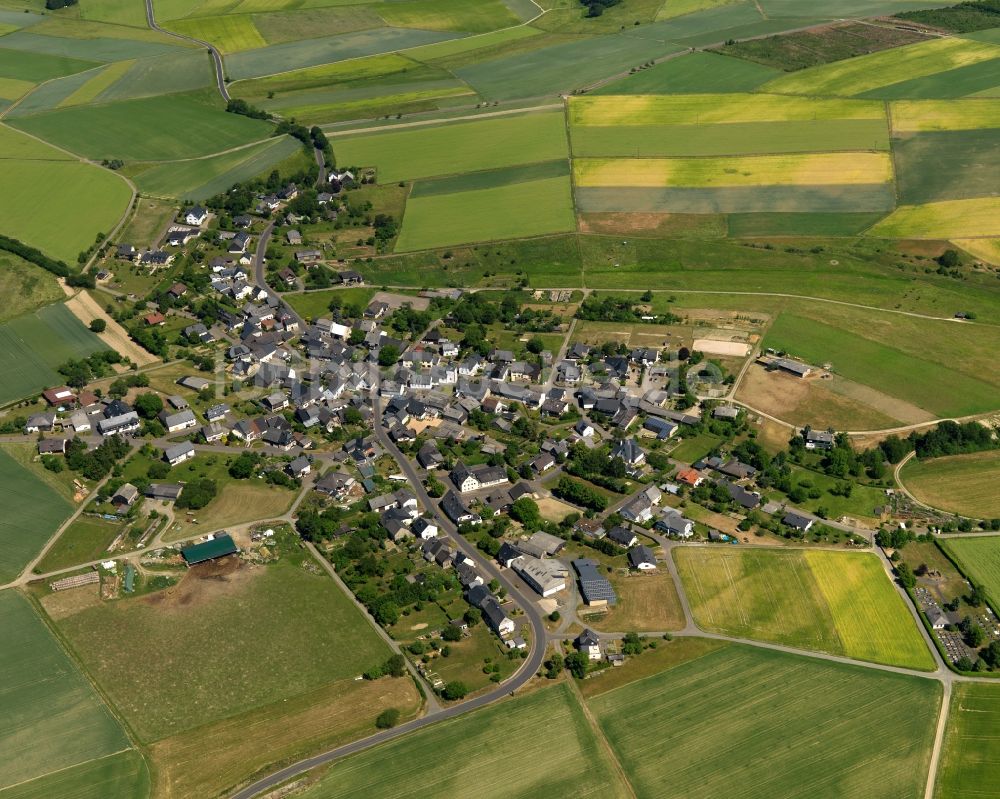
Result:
pixel 86 308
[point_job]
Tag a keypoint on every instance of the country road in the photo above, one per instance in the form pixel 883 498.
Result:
pixel 220 75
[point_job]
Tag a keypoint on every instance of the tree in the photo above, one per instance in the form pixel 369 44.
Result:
pixel 525 510
pixel 148 405
pixel 388 355
pixel 535 345
pixel 949 259
pixel 577 663
pixel 553 666
pixel 158 470
pixel 455 690
pixel 632 644
pixel 473 616
pixel 387 719
pixel 98 325
pixel 395 666
pixel 197 494
pixel 244 466
pixel 451 633
pixel 972 633
pixel 905 575
pixel 976 597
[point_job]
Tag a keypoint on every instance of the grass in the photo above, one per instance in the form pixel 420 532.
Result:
pixel 807 169
pixel 513 211
pixel 695 448
pixel 970 755
pixel 38 67
pixel 574 761
pixel 860 505
pixel 963 161
pixel 733 138
pixel 35 344
pixel 455 47
pixel 276 632
pixel 918 116
pixel 837 602
pixel 150 219
pixel 230 34
pixel 97 84
pixel 646 603
pixel 24 286
pixel 448 15
pixel 62 205
pixel 33 512
pixel 745 722
pixel 695 73
pixel 979 560
pixel 52 718
pixel 868 72
pixel 150 129
pixel 121 774
pixel 457 147
pixel 947 219
pixel 84 540
pixel 801 224
pixel 316 304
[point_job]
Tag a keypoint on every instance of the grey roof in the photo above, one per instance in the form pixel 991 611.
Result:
pixel 641 554
pixel 593 586
pixel 178 450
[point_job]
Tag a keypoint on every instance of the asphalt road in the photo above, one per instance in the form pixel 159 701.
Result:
pixel 220 75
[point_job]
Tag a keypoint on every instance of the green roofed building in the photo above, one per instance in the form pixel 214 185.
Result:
pixel 218 547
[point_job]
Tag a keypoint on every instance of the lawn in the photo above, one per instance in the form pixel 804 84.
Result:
pixel 965 484
pixel 62 205
pixel 32 513
pixel 920 116
pixel 837 602
pixel 34 344
pixel 947 219
pixel 457 147
pixel 150 220
pixel 149 129
pixel 225 645
pixel 744 722
pixel 514 211
pixel 963 159
pixel 695 73
pixel 84 540
pixel 979 560
pixel 969 763
pixel 52 718
pixel 804 169
pixel 695 448
pixel 479 748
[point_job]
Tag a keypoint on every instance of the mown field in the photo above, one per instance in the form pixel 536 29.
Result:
pixel 750 723
pixel 52 718
pixel 275 632
pixel 477 746
pixel 841 603
pixel 35 344
pixel 965 484
pixel 970 763
pixel 86 539
pixel 457 147
pixel 979 560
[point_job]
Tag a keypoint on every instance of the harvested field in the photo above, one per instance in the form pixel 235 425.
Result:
pixel 646 603
pixel 85 308
pixel 965 484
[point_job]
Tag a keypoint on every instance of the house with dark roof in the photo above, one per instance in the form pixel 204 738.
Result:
pixel 589 644
pixel 797 521
pixel 642 558
pixel 622 536
pixel 595 588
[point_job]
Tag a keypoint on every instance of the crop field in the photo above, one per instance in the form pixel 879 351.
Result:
pixel 230 34
pixel 919 116
pixel 806 169
pixel 841 603
pixel 89 42
pixel 987 250
pixel 52 719
pixel 456 47
pixel 24 286
pixel 748 723
pixel 947 219
pixel 277 632
pixel 945 382
pixel 482 16
pixel 965 164
pixel 98 83
pixel 979 560
pixel 799 223
pixel 32 513
pixel 183 71
pixel 695 73
pixel 478 743
pixel 457 147
pixel 122 774
pixel 971 750
pixel 866 73
pixel 38 67
pixel 406 98
pixel 150 129
pixel 965 484
pixel 205 177
pixel 516 210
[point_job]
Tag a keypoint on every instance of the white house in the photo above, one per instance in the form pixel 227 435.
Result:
pixel 196 215
pixel 589 644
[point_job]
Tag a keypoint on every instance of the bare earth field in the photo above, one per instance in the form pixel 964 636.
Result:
pixel 86 309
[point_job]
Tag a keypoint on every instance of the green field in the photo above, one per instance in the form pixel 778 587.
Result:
pixel 39 66
pixel 86 539
pixel 801 224
pixel 979 560
pixel 946 219
pixel 965 484
pixel 516 210
pixel 274 632
pixel 35 344
pixel 837 602
pixel 964 162
pixel 749 723
pixel 482 16
pixel 230 34
pixel 479 748
pixel 151 129
pixel 202 178
pixel 52 719
pixel 24 286
pixel 124 774
pixel 695 73
pixel 969 763
pixel 456 147
pixel 316 304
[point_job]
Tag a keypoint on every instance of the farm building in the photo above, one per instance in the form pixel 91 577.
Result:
pixel 165 492
pixel 596 590
pixel 218 547
pixel 796 368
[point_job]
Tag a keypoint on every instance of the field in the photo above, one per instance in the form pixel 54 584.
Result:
pixel 919 116
pixel 52 719
pixel 449 15
pixel 86 539
pixel 456 147
pixel 24 286
pixel 646 603
pixel 695 73
pixel 151 129
pixel 123 774
pixel 841 603
pixel 62 205
pixel 35 344
pixel 276 632
pixel 316 304
pixel 516 210
pixel 477 746
pixel 970 756
pixel 965 484
pixel 979 560
pixel 942 220
pixel 964 161
pixel 744 722
pixel 32 512
pixel 230 34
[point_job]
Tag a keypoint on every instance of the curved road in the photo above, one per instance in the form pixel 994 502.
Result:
pixel 220 75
